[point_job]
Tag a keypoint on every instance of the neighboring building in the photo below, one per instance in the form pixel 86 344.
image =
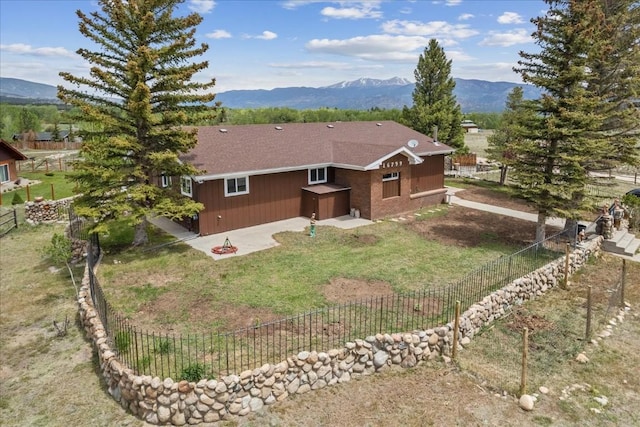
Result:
pixel 255 174
pixel 8 157
pixel 469 126
pixel 43 136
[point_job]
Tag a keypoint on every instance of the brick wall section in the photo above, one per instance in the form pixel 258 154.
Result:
pixel 360 182
pixel 366 190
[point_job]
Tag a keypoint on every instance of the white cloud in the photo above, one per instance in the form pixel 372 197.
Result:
pixel 358 11
pixel 372 48
pixel 202 6
pixel 465 16
pixel 493 72
pixel 293 4
pixel 510 18
pixel 518 36
pixel 267 35
pixel 331 65
pixel 453 2
pixel 458 55
pixel 429 29
pixel 26 49
pixel 219 34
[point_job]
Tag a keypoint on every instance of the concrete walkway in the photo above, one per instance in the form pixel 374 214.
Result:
pixel 451 192
pixel 250 239
pixel 260 237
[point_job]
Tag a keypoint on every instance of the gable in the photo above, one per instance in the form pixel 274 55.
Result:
pixel 7 152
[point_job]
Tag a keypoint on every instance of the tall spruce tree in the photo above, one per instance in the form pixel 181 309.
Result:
pixel 434 103
pixel 140 94
pixel 615 78
pixel 549 164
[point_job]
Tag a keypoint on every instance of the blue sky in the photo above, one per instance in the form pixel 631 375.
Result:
pixel 261 44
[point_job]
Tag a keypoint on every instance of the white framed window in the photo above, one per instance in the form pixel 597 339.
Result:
pixel 165 181
pixel 236 186
pixel 390 176
pixel 4 173
pixel 186 186
pixel 318 175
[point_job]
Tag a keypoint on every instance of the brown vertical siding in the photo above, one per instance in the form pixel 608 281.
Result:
pixel 428 175
pixel 280 196
pixel 271 198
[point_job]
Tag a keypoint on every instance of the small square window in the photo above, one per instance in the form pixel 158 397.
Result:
pixel 390 176
pixel 186 186
pixel 236 186
pixel 165 181
pixel 317 176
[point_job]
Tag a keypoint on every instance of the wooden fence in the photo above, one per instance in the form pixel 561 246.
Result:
pixel 8 221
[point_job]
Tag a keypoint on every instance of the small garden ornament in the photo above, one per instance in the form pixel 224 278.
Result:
pixel 312 231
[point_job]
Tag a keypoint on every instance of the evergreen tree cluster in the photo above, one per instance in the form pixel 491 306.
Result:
pixel 588 117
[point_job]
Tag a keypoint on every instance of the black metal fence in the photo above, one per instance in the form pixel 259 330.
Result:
pixel 214 354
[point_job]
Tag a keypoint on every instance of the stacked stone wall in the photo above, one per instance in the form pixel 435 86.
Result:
pixel 40 210
pixel 165 401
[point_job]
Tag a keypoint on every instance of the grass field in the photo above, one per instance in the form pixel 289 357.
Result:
pixel 47 380
pixel 285 280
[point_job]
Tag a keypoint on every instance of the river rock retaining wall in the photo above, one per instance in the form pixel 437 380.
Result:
pixel 165 401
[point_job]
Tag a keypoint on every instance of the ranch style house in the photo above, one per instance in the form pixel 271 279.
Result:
pixel 255 174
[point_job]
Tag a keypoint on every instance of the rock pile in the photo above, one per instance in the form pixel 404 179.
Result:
pixel 40 211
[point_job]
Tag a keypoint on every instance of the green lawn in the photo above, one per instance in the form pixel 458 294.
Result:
pixel 288 279
pixel 55 182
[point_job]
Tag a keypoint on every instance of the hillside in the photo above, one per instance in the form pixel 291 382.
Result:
pixel 360 94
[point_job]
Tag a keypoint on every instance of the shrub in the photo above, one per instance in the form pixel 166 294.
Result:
pixel 163 346
pixel 193 373
pixel 632 204
pixel 17 199
pixel 144 363
pixel 122 341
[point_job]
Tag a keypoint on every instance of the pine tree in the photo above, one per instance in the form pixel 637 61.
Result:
pixel 139 94
pixel 615 78
pixel 550 163
pixel 434 103
pixel 510 131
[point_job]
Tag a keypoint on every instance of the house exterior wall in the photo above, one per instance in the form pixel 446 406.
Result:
pixel 280 196
pixel 428 175
pixel 360 183
pixel 271 198
pixel 11 163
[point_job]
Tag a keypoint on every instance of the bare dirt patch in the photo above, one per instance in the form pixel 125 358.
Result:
pixel 484 195
pixel 467 227
pixel 341 290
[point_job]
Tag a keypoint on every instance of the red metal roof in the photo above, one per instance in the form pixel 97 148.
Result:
pixel 258 149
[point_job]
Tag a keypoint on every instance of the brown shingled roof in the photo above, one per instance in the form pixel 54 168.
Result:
pixel 17 155
pixel 255 149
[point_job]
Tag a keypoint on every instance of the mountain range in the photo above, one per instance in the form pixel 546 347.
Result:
pixel 360 94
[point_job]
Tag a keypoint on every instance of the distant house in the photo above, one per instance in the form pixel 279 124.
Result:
pixel 8 157
pixel 469 126
pixel 255 174
pixel 44 136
